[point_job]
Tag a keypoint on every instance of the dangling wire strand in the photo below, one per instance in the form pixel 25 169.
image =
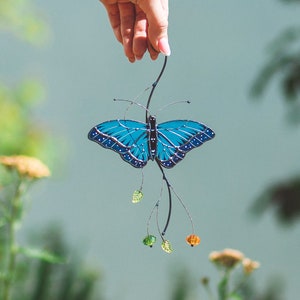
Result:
pixel 157 225
pixel 150 216
pixel 142 181
pixel 185 208
pixel 169 186
pixel 156 207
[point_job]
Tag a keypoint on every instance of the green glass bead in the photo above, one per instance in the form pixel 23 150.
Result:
pixel 166 246
pixel 137 196
pixel 149 240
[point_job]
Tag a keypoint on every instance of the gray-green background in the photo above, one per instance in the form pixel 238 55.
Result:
pixel 217 49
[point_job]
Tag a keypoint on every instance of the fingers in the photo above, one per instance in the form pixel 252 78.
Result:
pixel 157 16
pixel 127 21
pixel 133 29
pixel 153 53
pixel 140 25
pixel 114 19
pixel 140 44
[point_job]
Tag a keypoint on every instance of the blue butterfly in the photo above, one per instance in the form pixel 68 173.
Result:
pixel 137 142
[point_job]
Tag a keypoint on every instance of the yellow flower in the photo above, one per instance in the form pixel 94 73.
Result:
pixel 227 258
pixel 250 265
pixel 26 166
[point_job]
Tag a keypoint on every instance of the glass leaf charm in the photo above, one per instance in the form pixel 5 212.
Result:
pixel 166 246
pixel 193 240
pixel 137 196
pixel 149 240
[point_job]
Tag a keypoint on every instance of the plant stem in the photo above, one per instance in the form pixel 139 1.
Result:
pixel 240 284
pixel 12 246
pixel 223 286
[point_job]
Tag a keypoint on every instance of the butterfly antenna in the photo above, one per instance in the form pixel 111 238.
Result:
pixel 154 86
pixel 131 102
pixel 134 101
pixel 176 102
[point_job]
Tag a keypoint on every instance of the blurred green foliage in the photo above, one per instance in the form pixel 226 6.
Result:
pixel 272 290
pixel 21 18
pixel 28 272
pixel 284 198
pixel 40 279
pixel 19 134
pixel 181 285
pixel 31 272
pixel 283 63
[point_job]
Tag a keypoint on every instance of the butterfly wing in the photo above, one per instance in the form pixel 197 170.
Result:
pixel 176 138
pixel 126 137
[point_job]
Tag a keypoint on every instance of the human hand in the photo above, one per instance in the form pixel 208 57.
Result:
pixel 140 25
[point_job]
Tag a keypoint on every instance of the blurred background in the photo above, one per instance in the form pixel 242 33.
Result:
pixel 237 62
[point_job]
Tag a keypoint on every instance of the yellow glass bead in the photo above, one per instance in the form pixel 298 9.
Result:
pixel 137 196
pixel 166 246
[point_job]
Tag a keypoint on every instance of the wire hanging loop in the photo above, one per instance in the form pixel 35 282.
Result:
pixel 154 84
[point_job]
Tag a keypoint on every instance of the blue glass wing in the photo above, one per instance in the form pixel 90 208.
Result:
pixel 176 138
pixel 126 137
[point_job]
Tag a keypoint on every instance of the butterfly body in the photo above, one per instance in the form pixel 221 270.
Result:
pixel 152 137
pixel 137 142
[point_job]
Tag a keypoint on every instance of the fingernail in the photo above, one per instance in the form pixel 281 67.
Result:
pixel 131 59
pixel 163 46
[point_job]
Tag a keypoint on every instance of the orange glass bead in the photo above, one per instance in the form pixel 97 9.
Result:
pixel 193 240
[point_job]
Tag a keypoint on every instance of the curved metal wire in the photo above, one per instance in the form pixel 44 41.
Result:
pixel 169 187
pixel 154 84
pixel 157 161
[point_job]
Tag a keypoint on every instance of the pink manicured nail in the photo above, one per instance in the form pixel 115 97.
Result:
pixel 164 47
